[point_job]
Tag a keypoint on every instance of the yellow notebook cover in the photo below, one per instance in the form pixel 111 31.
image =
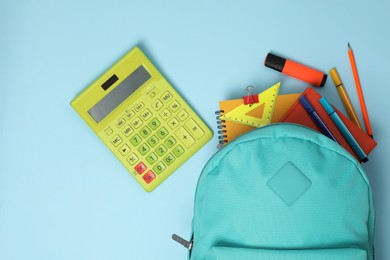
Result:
pixel 231 129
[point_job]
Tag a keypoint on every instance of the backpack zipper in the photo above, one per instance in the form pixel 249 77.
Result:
pixel 182 241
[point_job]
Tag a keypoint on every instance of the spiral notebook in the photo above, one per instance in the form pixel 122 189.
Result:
pixel 229 130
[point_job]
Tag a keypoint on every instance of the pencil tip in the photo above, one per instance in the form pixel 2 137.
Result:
pixel 349 46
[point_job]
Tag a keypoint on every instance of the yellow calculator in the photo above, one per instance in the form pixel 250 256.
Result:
pixel 140 117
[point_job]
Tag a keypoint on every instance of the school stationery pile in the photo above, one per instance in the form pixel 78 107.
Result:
pixel 306 210
pixel 309 108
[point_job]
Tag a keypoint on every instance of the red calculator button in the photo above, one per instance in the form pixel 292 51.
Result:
pixel 149 176
pixel 140 168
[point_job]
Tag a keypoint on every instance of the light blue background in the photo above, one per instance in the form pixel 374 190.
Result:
pixel 64 196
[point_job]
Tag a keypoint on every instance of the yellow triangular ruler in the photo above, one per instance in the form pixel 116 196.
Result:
pixel 258 114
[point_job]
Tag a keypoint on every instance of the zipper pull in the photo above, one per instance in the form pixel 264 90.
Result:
pixel 182 241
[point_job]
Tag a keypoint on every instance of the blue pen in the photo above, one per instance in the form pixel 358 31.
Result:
pixel 316 118
pixel 344 130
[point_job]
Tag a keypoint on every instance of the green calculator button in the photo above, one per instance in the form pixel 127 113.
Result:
pixel 165 114
pixel 137 122
pixel 178 151
pixel 127 130
pixel 157 105
pixel 121 122
pixel 195 130
pixel 162 133
pixel 152 141
pixel 154 123
pixel 185 137
pixel 174 106
pixel 161 150
pixel 116 140
pixel 143 149
pixel 132 159
pixel 182 115
pixel 173 123
pixel 124 149
pixel 151 158
pixel 170 142
pixel 166 96
pixel 169 159
pixel 129 114
pixel 159 168
pixel 136 140
pixel 145 132
pixel 139 106
pixel 146 114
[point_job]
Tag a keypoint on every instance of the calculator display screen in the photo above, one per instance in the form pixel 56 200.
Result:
pixel 119 94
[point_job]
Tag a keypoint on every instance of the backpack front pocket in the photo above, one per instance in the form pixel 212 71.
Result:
pixel 232 253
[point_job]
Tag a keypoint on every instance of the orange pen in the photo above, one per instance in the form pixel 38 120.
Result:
pixel 359 91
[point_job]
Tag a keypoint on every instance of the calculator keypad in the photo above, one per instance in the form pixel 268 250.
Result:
pixel 152 135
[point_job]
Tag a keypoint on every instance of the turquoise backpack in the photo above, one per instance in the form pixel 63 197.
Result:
pixel 282 192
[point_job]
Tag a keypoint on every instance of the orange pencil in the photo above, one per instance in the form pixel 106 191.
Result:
pixel 359 91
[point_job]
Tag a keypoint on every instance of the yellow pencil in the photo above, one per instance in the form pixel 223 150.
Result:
pixel 344 97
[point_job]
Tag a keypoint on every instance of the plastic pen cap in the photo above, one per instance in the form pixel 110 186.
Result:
pixel 328 107
pixel 305 103
pixel 274 62
pixel 335 77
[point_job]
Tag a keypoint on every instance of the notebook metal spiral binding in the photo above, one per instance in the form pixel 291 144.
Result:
pixel 222 133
